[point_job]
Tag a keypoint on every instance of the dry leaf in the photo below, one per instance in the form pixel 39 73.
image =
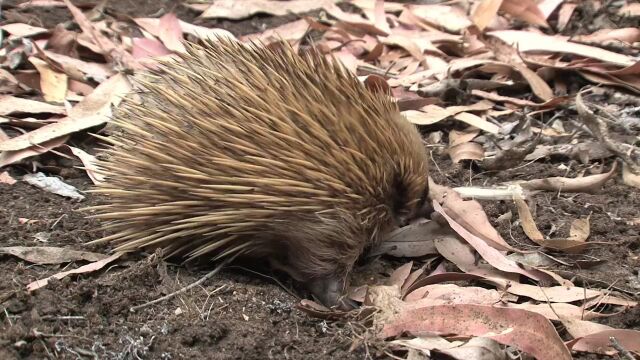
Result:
pixel 432 114
pixel 586 184
pixel 528 331
pixel 526 10
pixel 451 18
pixel 529 41
pixel 41 3
pixel 477 121
pixel 609 37
pixel 290 31
pixel 579 230
pixel 5 178
pixel 413 240
pixel 105 46
pixel 628 177
pixel 457 137
pixel 477 348
pixel 152 26
pixel 50 255
pixel 52 83
pixel 450 294
pixel 171 33
pixel 148 48
pixel 12 157
pixel 485 12
pixel 469 214
pixel 632 9
pixel 581 328
pixel 13 105
pixel 599 343
pixel 81 70
pixel 93 110
pixel 555 294
pixel 89 162
pixel 236 10
pixel 556 311
pixel 19 30
pixel 81 270
pixel 400 275
pixel 466 151
pixel 491 255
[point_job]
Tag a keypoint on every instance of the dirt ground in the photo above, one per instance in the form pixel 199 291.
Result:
pixel 241 314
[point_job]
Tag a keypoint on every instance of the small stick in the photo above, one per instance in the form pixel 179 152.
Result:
pixel 624 353
pixel 186 288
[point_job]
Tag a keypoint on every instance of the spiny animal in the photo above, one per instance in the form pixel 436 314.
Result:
pixel 242 149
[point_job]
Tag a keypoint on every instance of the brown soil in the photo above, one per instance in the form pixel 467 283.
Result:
pixel 238 314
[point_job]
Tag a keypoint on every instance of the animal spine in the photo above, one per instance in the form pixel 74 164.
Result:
pixel 244 149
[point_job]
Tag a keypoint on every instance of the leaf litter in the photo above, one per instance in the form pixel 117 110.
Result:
pixel 496 80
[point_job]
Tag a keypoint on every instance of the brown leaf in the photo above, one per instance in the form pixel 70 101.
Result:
pixel 468 214
pixel 107 47
pixel 81 70
pixel 599 342
pixel 485 12
pixel 63 41
pixel 171 33
pixel 18 30
pixel 610 37
pixel 236 10
pixel 450 294
pixel 520 102
pixel 152 26
pixel 579 230
pixel 148 48
pixel 528 224
pixel 52 83
pixel 526 10
pixel 5 178
pixel 526 41
pixel 40 3
pixel 432 114
pixel 290 31
pixel 50 255
pixel 12 157
pixel 93 110
pixel 89 162
pixel 586 184
pixel 94 266
pixel 466 151
pixel 555 294
pixel 451 18
pixel 477 122
pixel 13 105
pixel 491 255
pixel 629 178
pixel 414 240
pixel 400 275
pixel 528 331
pixel 632 9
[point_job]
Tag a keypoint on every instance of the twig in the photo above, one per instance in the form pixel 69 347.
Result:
pixel 624 353
pixel 186 288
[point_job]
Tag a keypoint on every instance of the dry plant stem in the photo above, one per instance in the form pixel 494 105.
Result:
pixel 186 288
pixel 627 153
pixel 624 353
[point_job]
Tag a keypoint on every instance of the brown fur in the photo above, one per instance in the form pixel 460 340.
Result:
pixel 241 149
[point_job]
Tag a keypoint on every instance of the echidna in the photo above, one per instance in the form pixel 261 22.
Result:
pixel 263 152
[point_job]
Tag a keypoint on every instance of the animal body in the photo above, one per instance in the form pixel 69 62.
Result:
pixel 240 149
